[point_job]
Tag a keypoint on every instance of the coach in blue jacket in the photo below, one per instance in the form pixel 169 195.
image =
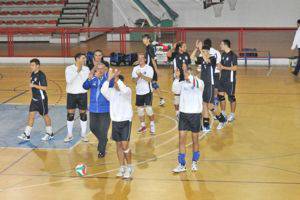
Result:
pixel 99 106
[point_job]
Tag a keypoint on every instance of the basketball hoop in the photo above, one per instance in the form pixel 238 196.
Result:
pixel 232 4
pixel 218 9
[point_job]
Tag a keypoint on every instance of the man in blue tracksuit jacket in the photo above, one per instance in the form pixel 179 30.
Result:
pixel 99 106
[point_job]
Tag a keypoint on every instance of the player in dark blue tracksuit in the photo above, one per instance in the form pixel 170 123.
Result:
pixel 99 107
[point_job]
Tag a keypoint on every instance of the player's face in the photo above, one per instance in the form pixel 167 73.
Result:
pixel 81 60
pixel 100 71
pixel 145 41
pixel 222 46
pixel 184 47
pixel 142 60
pixel 34 67
pixel 98 56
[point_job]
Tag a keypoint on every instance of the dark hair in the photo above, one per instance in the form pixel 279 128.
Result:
pixel 227 42
pixel 205 47
pixel 298 21
pixel 121 77
pixel 178 45
pixel 98 50
pixel 36 61
pixel 207 42
pixel 78 55
pixel 146 36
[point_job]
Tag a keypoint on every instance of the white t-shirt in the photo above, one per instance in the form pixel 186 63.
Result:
pixel 75 80
pixel 215 53
pixel 190 94
pixel 120 101
pixel 142 86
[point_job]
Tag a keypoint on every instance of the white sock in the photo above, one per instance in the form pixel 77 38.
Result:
pixel 83 125
pixel 232 114
pixel 152 123
pixel 224 113
pixel 143 124
pixel 28 130
pixel 70 128
pixel 49 130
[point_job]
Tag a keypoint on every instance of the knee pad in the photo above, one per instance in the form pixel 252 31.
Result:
pixel 127 151
pixel 70 116
pixel 155 85
pixel 83 117
pixel 221 98
pixel 149 110
pixel 176 100
pixel 231 98
pixel 140 111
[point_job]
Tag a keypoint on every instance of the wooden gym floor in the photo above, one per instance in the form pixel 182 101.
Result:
pixel 257 157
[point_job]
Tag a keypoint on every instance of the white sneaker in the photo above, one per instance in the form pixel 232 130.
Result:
pixel 231 118
pixel 24 137
pixel 84 139
pixel 152 129
pixel 128 173
pixel 68 139
pixel 221 125
pixel 121 171
pixel 162 102
pixel 206 130
pixel 179 168
pixel 47 137
pixel 194 166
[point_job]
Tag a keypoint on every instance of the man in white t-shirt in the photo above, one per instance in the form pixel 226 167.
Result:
pixel 296 44
pixel 142 75
pixel 76 75
pixel 190 108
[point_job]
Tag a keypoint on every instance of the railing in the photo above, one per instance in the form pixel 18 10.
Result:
pixel 275 40
pixel 91 13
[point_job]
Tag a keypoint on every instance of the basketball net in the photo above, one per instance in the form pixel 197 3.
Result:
pixel 232 4
pixel 218 9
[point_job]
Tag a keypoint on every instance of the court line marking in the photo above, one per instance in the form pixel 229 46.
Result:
pixel 91 175
pixel 16 96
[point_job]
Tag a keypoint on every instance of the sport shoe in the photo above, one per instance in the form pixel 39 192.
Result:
pixel 128 173
pixel 152 129
pixel 206 130
pixel 24 137
pixel 68 139
pixel 162 102
pixel 84 139
pixel 142 129
pixel 47 137
pixel 221 125
pixel 179 168
pixel 121 171
pixel 194 166
pixel 231 118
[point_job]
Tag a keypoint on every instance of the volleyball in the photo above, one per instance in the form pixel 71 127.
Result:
pixel 80 169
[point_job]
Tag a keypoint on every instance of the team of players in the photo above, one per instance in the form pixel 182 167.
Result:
pixel 197 94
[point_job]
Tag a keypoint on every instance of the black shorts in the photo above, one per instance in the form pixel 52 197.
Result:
pixel 40 106
pixel 227 87
pixel 121 131
pixel 144 100
pixel 217 80
pixel 189 122
pixel 208 93
pixel 77 101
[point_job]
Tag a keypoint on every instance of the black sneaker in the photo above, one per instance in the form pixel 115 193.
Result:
pixel 24 137
pixel 101 155
pixel 295 73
